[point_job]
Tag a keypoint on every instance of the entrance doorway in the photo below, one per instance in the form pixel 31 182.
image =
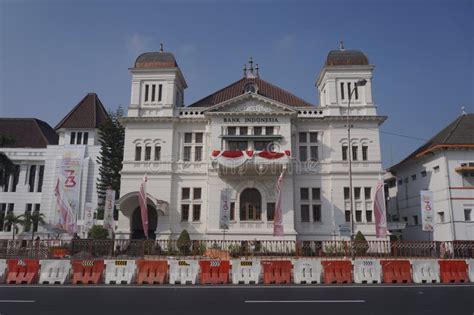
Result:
pixel 136 228
pixel 250 205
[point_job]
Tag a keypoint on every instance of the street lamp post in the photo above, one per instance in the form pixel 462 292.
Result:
pixel 361 82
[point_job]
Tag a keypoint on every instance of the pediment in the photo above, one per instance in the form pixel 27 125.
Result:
pixel 251 104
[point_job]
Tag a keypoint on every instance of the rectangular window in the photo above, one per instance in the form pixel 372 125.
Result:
pixel 423 173
pixel 28 210
pixel 231 131
pixel 197 193
pixel 368 215
pixel 304 194
pixel 187 154
pixel 349 89
pixel 468 179
pixel 188 137
pixel 232 211
pixel 364 152
pixel 11 208
pixel 302 137
pixel 436 169
pixel 79 138
pixel 316 193
pixel 413 177
pixel 147 88
pixel 73 138
pixel 303 154
pixel 36 211
pixel 467 215
pixel 367 193
pixel 400 182
pixel 197 154
pixel 160 92
pixel 244 131
pixel 40 179
pixel 346 193
pixel 344 152
pixel 358 216
pixel 356 91
pixel 342 90
pixel 31 181
pixel 16 178
pixel 138 153
pixel 262 145
pixel 153 92
pixel 314 153
pixel 237 145
pixel 317 213
pixel 357 193
pixel 304 213
pixel 269 131
pixel 347 214
pixel 405 219
pixel 147 153
pixel 441 217
pixel 270 211
pixel 184 213
pixel 2 215
pixel 185 193
pixel 196 213
pixel 415 219
pixel 157 153
pixel 86 138
pixel 354 153
pixel 198 136
pixel 257 131
pixel 313 137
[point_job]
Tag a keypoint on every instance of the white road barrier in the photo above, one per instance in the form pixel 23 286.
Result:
pixel 54 271
pixel 470 264
pixel 307 271
pixel 246 271
pixel 367 271
pixel 183 271
pixel 3 270
pixel 425 271
pixel 120 271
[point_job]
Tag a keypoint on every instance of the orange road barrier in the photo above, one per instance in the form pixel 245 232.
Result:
pixel 337 271
pixel 214 271
pixel 22 271
pixel 87 271
pixel 396 271
pixel 152 271
pixel 276 271
pixel 453 271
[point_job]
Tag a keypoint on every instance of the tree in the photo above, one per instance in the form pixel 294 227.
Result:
pixel 184 242
pixel 14 221
pixel 98 232
pixel 361 244
pixel 111 138
pixel 31 220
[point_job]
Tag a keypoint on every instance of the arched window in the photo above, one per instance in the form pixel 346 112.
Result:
pixel 250 205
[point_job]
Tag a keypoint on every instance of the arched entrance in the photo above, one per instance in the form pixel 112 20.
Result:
pixel 136 226
pixel 250 205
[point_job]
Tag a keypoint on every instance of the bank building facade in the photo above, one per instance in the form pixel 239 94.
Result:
pixel 240 139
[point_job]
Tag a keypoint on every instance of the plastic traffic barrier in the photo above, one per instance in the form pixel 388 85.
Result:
pixel 307 271
pixel 367 271
pixel 214 271
pixel 425 271
pixel 245 271
pixel 453 271
pixel 87 271
pixel 337 271
pixel 470 263
pixel 152 271
pixel 54 271
pixel 183 271
pixel 396 271
pixel 3 270
pixel 22 271
pixel 276 271
pixel 119 271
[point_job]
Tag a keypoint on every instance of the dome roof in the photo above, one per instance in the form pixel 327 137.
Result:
pixel 346 58
pixel 157 59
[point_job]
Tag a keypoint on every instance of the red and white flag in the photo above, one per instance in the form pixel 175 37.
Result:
pixel 379 211
pixel 278 218
pixel 143 205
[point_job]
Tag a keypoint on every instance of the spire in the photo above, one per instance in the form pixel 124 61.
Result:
pixel 341 45
pixel 245 70
pixel 251 65
pixel 161 47
pixel 256 70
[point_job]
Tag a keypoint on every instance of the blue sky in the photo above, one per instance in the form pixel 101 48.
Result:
pixel 53 52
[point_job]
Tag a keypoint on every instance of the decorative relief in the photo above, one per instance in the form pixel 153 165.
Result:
pixel 250 107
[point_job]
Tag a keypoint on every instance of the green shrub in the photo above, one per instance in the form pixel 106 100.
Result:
pixel 184 243
pixel 98 232
pixel 361 245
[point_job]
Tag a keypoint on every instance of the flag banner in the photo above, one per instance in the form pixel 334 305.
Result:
pixel 109 207
pixel 68 187
pixel 379 211
pixel 88 217
pixel 427 217
pixel 143 205
pixel 278 218
pixel 225 209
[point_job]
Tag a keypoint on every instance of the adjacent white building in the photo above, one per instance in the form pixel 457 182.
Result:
pixel 37 152
pixel 445 166
pixel 241 138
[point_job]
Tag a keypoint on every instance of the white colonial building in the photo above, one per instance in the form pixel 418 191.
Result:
pixel 37 151
pixel 445 166
pixel 241 138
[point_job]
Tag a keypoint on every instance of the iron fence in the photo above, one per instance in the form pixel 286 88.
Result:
pixel 136 249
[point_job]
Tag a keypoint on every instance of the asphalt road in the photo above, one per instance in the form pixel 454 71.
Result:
pixel 243 300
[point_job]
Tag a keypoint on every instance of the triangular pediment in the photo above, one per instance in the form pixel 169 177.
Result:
pixel 250 103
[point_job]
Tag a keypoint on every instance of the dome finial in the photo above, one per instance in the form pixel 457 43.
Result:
pixel 161 47
pixel 341 45
pixel 256 69
pixel 251 65
pixel 463 110
pixel 245 70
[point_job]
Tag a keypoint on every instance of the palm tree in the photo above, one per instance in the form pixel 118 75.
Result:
pixel 31 220
pixel 13 221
